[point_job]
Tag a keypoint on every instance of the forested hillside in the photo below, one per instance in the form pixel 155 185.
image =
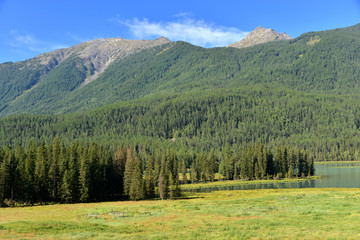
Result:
pixel 198 121
pixel 302 92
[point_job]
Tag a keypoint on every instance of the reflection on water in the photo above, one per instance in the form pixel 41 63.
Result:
pixel 338 175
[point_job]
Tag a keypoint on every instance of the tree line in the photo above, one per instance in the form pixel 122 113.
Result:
pixel 84 173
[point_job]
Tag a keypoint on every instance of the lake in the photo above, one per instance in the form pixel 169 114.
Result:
pixel 333 175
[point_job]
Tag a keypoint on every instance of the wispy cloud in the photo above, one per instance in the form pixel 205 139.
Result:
pixel 31 43
pixel 197 32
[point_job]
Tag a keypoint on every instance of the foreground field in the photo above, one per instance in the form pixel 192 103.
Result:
pixel 250 214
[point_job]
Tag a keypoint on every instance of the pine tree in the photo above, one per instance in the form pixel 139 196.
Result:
pixel 222 169
pixel 278 161
pixel 54 169
pixel 157 167
pixel 193 173
pixel 162 187
pixel 171 186
pixel 228 161
pixel 177 188
pixel 84 176
pixel 244 166
pixel 284 161
pixel 20 181
pixel 129 169
pixel 264 163
pixel 163 184
pixel 270 168
pixel 211 165
pixel 291 172
pixel 14 174
pixel 301 164
pixel 66 188
pixel 41 176
pixel 30 172
pixel 203 168
pixel 62 167
pixel 119 169
pixel 183 171
pixel 136 190
pixel 4 179
pixel 149 180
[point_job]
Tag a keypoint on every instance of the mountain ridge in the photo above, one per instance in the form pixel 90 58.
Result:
pixel 99 52
pixel 62 83
pixel 258 36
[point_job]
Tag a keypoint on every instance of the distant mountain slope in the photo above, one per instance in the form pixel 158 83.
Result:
pixel 258 36
pixel 70 68
pixel 316 62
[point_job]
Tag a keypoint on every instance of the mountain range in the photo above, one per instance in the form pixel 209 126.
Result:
pixel 266 87
pixel 40 84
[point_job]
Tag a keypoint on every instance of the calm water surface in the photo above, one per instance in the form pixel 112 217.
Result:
pixel 338 175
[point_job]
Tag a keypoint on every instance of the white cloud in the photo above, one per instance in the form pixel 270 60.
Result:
pixel 197 32
pixel 31 43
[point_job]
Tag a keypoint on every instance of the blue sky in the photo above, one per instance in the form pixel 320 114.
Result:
pixel 29 28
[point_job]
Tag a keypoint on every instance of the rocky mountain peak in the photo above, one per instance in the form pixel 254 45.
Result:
pixel 260 35
pixel 99 53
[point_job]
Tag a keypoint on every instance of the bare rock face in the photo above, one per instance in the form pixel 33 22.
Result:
pixel 99 53
pixel 258 36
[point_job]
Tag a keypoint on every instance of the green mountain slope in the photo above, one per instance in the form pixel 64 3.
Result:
pixel 327 125
pixel 303 92
pixel 315 62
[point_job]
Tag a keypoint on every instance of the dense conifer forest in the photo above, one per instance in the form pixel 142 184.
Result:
pixel 326 125
pixel 81 173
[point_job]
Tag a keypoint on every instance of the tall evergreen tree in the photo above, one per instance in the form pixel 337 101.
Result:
pixel 4 178
pixel 129 169
pixel 119 169
pixel 54 169
pixel 84 176
pixel 136 189
pixel 41 174
pixel 149 180
pixel 211 166
pixel 30 172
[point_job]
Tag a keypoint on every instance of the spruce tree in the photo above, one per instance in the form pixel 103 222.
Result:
pixel 149 180
pixel 41 174
pixel 211 165
pixel 54 169
pixel 119 169
pixel 4 179
pixel 129 169
pixel 183 171
pixel 136 189
pixel 162 187
pixel 193 173
pixel 20 169
pixel 157 167
pixel 30 172
pixel 84 176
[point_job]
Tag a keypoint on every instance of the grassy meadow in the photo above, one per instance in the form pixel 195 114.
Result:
pixel 251 214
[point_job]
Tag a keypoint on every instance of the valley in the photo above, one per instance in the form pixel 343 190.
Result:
pixel 155 121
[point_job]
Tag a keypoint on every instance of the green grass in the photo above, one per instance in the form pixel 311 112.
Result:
pixel 250 214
